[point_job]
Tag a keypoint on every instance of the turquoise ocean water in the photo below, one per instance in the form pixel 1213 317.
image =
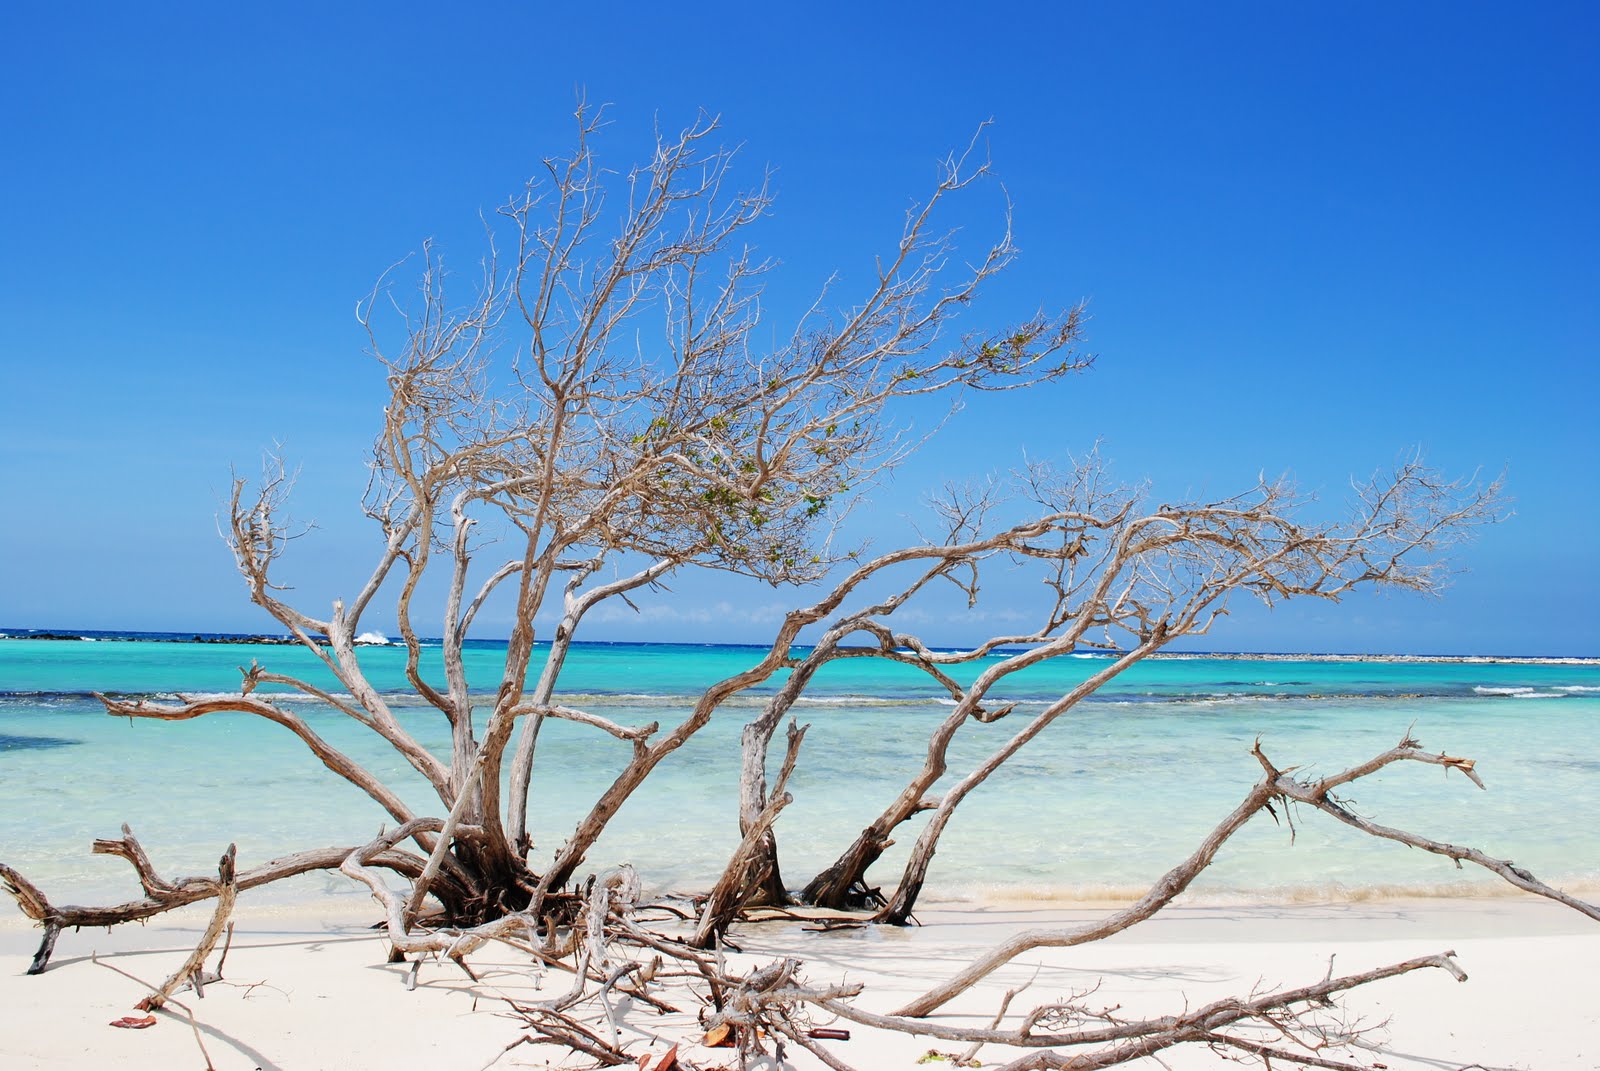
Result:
pixel 1102 803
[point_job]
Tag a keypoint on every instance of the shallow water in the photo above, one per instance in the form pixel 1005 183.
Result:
pixel 1114 793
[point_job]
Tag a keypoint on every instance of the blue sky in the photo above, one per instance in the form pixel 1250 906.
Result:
pixel 1310 238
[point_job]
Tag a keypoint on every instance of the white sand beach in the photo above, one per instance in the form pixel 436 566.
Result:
pixel 305 990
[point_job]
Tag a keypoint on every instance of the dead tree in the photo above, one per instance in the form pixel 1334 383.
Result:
pixel 639 429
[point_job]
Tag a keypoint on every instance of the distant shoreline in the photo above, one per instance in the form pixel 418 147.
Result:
pixel 121 637
pixel 259 639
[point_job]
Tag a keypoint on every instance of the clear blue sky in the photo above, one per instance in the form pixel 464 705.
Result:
pixel 1311 236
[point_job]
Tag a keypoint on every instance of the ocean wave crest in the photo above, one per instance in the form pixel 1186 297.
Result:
pixel 1520 692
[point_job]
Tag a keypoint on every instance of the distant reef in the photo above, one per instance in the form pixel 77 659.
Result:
pixel 1497 660
pixel 375 639
pixel 133 637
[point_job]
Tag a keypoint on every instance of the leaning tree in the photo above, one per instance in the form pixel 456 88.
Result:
pixel 603 406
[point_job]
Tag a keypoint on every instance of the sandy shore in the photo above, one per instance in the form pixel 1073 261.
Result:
pixel 306 990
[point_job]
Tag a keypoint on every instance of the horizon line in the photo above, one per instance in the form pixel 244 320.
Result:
pixel 285 639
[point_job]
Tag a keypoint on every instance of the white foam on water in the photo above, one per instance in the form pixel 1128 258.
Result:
pixel 1521 692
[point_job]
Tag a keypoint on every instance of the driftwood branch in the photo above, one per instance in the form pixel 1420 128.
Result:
pixel 193 967
pixel 742 877
pixel 1319 794
pixel 1277 785
pixel 1130 1040
pixel 166 896
pixel 1163 892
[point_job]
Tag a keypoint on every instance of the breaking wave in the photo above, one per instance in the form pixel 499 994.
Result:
pixel 1527 693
